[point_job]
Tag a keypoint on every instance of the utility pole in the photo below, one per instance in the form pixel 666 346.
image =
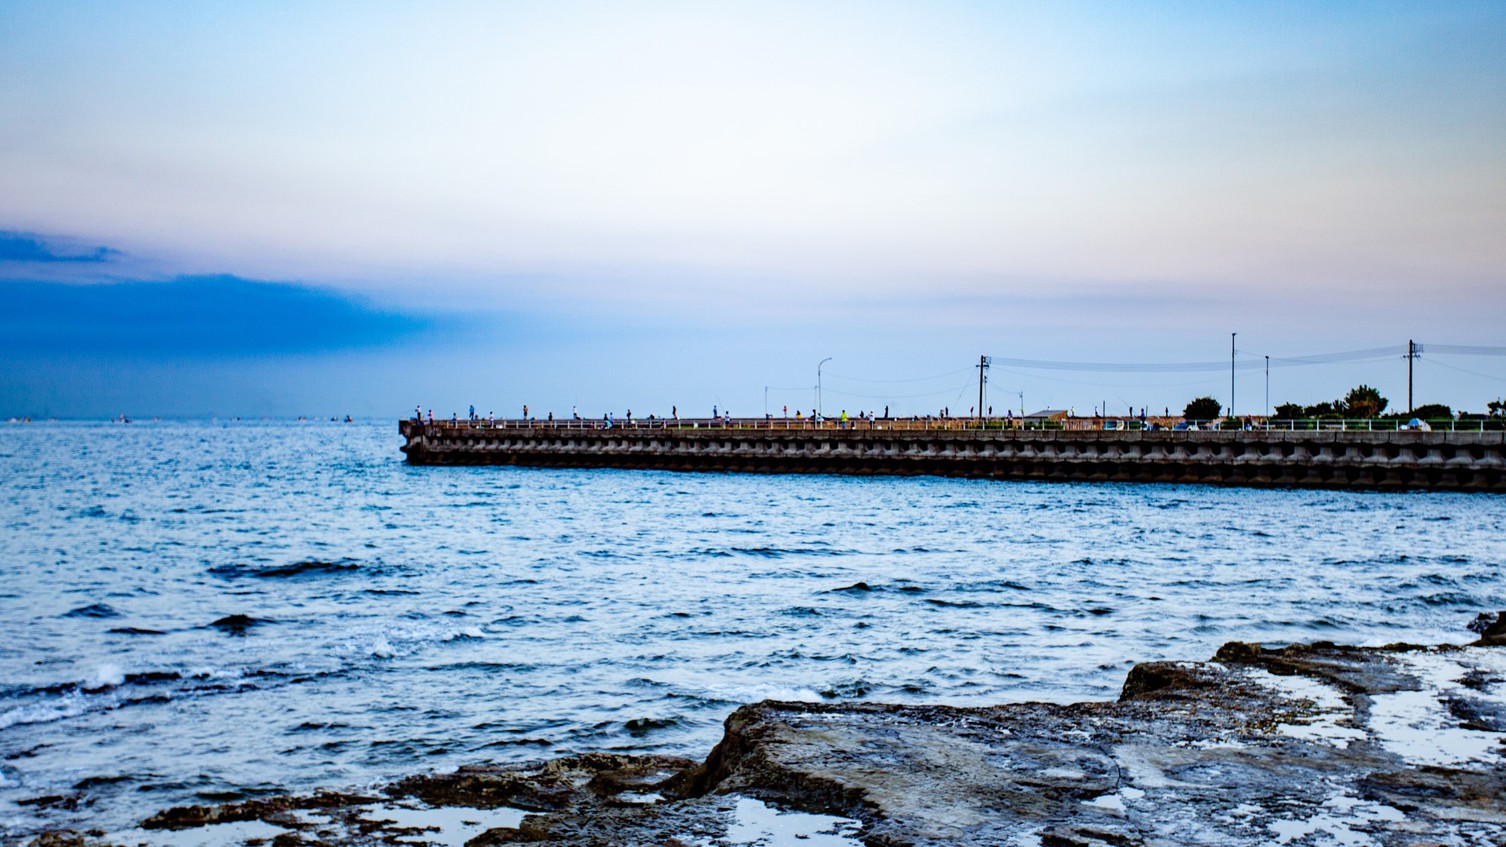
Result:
pixel 1413 351
pixel 982 369
pixel 1268 392
pixel 1231 373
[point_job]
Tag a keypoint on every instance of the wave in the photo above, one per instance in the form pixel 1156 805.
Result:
pixel 801 612
pixel 782 552
pixel 93 610
pixel 957 604
pixel 639 727
pixel 853 689
pixel 859 588
pixel 311 567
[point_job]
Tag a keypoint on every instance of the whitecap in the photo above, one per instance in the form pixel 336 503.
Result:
pixel 57 710
pixel 105 676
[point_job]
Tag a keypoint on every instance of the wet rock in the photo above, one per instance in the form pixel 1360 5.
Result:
pixel 552 785
pixel 1167 680
pixel 1082 836
pixel 1491 629
pixel 276 810
pixel 1306 744
pixel 59 838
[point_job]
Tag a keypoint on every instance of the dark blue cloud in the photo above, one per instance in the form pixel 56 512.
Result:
pixel 192 316
pixel 31 248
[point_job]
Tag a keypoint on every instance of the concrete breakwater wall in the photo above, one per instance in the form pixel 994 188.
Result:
pixel 1463 461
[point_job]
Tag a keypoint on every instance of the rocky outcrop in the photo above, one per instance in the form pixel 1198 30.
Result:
pixel 1309 744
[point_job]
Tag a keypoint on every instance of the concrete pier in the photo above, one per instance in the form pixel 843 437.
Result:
pixel 1398 460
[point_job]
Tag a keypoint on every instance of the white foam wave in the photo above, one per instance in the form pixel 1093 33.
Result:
pixel 57 710
pixel 105 676
pixel 753 694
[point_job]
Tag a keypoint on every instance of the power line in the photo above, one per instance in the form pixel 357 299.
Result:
pixel 1373 353
pixel 1464 350
pixel 1181 384
pixel 1467 371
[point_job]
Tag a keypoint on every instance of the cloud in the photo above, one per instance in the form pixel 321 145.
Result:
pixel 28 247
pixel 193 316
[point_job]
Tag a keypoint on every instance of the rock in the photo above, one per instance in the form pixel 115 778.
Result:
pixel 1491 631
pixel 272 810
pixel 59 838
pixel 1316 743
pixel 1082 836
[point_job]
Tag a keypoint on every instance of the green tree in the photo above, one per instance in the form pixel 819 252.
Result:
pixel 1497 408
pixel 1289 411
pixel 1362 401
pixel 1203 409
pixel 1433 412
pixel 1325 409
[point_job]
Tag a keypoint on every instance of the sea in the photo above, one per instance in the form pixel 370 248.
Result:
pixel 209 611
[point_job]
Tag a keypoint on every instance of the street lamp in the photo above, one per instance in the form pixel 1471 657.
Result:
pixel 1231 373
pixel 820 407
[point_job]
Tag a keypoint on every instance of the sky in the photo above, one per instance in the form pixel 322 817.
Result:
pixel 355 208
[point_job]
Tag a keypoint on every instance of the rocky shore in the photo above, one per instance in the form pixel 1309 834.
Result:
pixel 1311 744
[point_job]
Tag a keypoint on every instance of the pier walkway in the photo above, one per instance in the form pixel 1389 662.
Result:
pixel 1397 460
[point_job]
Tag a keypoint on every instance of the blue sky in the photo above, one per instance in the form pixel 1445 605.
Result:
pixel 337 207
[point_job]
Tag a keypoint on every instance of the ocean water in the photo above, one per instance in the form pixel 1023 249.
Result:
pixel 395 620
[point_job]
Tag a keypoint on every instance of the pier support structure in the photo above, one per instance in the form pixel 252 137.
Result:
pixel 1467 461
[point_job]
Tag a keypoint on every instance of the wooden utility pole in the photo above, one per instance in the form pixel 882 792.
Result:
pixel 1413 351
pixel 982 369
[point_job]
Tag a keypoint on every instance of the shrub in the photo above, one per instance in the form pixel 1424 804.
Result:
pixel 1203 409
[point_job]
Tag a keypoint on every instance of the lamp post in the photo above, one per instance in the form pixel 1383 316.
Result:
pixel 1267 392
pixel 820 406
pixel 1231 373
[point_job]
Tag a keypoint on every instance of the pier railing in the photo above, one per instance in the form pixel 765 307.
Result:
pixel 931 424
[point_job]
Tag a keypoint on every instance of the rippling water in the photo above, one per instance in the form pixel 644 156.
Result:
pixel 400 619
